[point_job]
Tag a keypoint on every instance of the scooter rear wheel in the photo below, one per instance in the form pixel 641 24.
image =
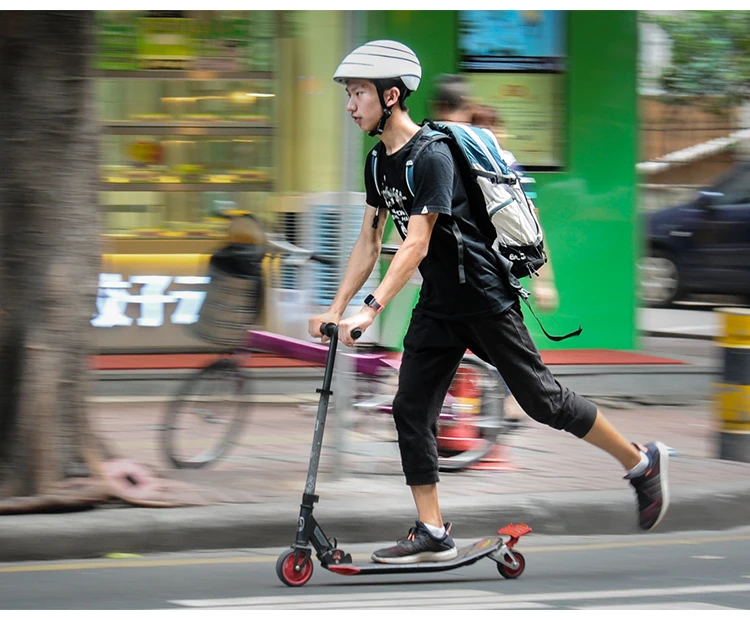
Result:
pixel 285 569
pixel 512 573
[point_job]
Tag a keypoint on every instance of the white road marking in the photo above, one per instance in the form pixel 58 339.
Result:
pixel 437 603
pixel 675 606
pixel 460 597
pixel 708 557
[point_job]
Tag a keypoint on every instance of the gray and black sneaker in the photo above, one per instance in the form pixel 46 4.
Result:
pixel 651 487
pixel 418 546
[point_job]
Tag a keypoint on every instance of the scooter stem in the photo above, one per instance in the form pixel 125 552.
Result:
pixel 320 418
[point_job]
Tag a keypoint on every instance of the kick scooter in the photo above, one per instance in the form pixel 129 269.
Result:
pixel 295 566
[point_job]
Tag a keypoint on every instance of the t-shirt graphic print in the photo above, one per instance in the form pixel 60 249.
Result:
pixel 395 202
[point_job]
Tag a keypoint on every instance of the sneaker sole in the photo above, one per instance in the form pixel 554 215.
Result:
pixel 664 480
pixel 425 556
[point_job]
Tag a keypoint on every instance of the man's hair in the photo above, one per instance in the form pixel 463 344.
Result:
pixel 486 116
pixel 451 93
pixel 385 84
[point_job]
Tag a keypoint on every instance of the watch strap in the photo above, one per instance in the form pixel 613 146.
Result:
pixel 373 303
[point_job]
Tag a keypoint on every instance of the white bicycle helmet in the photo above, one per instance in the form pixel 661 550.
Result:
pixel 381 60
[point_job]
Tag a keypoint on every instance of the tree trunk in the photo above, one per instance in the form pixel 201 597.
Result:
pixel 49 260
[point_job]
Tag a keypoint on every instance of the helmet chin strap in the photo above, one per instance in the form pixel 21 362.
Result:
pixel 383 119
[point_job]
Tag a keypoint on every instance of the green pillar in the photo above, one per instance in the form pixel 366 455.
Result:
pixel 588 210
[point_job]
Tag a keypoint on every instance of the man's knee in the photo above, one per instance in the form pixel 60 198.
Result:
pixel 562 410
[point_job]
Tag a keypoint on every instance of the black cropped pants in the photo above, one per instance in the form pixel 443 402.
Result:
pixel 433 349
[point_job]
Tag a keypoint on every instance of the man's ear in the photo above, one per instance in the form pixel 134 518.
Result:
pixel 391 96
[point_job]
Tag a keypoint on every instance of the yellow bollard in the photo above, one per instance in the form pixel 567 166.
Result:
pixel 733 393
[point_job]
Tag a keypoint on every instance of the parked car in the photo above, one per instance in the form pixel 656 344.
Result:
pixel 702 247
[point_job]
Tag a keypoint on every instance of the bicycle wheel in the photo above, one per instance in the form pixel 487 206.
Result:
pixel 472 416
pixel 206 415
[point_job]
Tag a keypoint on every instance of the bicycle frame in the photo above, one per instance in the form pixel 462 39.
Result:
pixel 365 364
pixel 368 364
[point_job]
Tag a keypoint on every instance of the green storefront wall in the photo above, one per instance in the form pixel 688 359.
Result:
pixel 588 210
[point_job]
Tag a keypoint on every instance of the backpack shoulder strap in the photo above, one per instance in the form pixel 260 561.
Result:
pixel 428 136
pixel 376 151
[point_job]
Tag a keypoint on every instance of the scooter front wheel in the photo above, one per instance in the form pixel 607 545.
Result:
pixel 285 569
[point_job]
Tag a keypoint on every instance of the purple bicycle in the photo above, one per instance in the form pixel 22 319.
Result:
pixel 214 403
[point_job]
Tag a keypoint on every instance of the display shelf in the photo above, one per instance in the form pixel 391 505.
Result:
pixel 185 187
pixel 186 128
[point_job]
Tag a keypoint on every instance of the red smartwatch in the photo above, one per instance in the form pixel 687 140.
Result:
pixel 373 303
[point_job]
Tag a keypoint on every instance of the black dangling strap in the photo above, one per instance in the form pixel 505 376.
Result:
pixel 552 338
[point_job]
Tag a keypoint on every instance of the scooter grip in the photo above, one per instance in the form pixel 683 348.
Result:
pixel 328 329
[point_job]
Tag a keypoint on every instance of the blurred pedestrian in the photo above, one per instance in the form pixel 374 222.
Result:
pixel 483 115
pixel 452 102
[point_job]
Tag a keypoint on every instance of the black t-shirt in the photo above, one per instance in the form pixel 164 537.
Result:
pixel 438 188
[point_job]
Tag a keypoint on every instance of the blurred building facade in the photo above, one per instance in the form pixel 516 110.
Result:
pixel 208 112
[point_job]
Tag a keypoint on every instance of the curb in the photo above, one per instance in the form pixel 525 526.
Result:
pixel 660 383
pixel 97 532
pixel 667 333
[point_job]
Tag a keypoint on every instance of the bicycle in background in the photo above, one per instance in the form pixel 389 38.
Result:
pixel 213 405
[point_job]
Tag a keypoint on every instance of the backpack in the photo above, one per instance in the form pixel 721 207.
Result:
pixel 497 198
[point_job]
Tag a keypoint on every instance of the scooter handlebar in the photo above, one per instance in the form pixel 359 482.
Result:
pixel 329 329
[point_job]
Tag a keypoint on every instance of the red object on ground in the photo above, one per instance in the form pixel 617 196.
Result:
pixel 497 459
pixel 170 361
pixel 459 435
pixel 183 361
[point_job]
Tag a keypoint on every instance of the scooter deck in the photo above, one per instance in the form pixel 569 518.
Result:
pixel 466 555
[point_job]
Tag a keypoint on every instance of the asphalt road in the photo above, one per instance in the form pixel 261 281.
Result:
pixel 702 571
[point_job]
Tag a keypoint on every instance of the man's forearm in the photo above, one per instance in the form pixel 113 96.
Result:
pixel 546 274
pixel 405 262
pixel 358 268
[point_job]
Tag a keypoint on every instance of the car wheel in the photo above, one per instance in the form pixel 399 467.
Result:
pixel 659 279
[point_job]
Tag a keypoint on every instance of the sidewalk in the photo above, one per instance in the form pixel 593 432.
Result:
pixel 552 481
